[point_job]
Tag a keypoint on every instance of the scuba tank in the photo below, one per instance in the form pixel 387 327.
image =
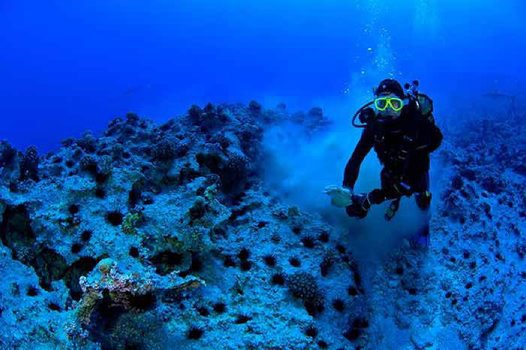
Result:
pixel 423 103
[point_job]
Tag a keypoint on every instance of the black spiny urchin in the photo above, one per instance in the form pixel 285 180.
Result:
pixel 229 261
pixel 338 304
pixel 243 254
pixel 32 291
pixel 245 265
pixel 242 319
pixel 308 242
pixel 323 344
pixel 356 329
pixel 203 311
pixel 86 235
pixel 194 333
pixel 270 260
pixel 311 331
pixel 324 237
pixel 352 291
pixel 278 279
pixel 134 252
pixel 219 307
pixel 340 248
pixel 73 209
pixel 294 261
pixel 76 247
pixel 114 217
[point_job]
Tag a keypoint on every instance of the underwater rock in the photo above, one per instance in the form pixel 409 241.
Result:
pixel 110 293
pixel 254 107
pixel 126 290
pixel 232 168
pixel 165 150
pixel 7 155
pixel 29 164
pixel 88 143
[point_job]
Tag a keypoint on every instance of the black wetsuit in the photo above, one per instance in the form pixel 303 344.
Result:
pixel 403 147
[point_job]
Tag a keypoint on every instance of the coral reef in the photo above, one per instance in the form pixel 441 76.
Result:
pixel 164 236
pixel 165 201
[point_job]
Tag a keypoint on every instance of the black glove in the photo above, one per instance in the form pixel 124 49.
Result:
pixel 360 206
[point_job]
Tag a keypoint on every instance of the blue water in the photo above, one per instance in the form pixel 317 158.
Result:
pixel 209 199
pixel 70 66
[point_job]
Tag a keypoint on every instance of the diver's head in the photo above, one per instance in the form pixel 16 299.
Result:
pixel 389 100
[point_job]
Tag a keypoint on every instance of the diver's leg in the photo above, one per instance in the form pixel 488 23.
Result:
pixel 362 202
pixel 392 192
pixel 423 201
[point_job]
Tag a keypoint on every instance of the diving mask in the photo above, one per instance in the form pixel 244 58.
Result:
pixel 395 103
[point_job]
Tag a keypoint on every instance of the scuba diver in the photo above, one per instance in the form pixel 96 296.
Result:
pixel 400 126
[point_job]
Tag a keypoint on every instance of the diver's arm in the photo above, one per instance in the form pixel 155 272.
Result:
pixel 352 168
pixel 429 137
pixel 435 138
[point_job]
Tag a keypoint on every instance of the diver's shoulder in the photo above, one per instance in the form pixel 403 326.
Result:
pixel 420 114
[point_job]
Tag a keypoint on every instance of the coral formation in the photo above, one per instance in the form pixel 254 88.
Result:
pixel 305 287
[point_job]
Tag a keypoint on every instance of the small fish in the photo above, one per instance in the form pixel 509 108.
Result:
pixel 498 95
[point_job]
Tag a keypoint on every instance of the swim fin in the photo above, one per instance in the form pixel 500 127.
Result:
pixel 392 209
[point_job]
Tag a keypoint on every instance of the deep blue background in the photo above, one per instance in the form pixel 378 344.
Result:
pixel 68 66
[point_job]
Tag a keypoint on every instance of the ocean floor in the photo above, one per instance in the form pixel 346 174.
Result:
pixel 166 237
